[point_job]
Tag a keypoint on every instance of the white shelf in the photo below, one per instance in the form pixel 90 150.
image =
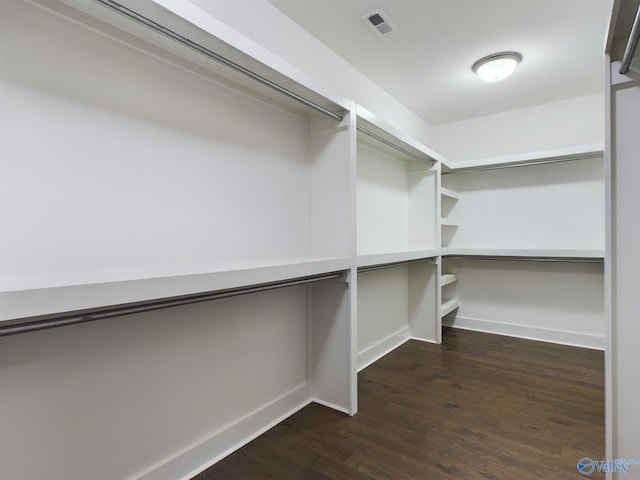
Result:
pixel 531 157
pixel 195 23
pixel 447 192
pixel 446 222
pixel 448 278
pixel 538 253
pixel 396 257
pixel 383 129
pixel 22 304
pixel 449 306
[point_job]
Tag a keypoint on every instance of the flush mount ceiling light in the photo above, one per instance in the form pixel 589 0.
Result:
pixel 497 66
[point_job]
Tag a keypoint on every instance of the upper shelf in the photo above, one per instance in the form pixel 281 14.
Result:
pixel 447 192
pixel 183 34
pixel 532 158
pixel 373 126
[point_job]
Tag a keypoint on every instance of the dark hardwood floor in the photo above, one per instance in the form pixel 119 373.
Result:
pixel 478 406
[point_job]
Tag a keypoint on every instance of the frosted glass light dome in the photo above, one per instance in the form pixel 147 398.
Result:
pixel 497 66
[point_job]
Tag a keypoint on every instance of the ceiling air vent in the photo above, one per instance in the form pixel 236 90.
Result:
pixel 379 21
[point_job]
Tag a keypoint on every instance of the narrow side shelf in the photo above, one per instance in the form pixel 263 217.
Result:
pixel 449 307
pixel 445 222
pixel 448 278
pixel 447 192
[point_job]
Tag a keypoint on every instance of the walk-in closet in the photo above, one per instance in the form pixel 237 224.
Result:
pixel 201 238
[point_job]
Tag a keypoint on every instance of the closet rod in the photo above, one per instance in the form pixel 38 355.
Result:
pixel 589 156
pixel 393 264
pixel 632 43
pixel 529 259
pixel 156 27
pixel 420 159
pixel 72 318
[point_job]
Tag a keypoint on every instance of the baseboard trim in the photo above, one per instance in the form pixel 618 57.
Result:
pixel 332 406
pixel 198 458
pixel 380 349
pixel 528 332
pixel 425 340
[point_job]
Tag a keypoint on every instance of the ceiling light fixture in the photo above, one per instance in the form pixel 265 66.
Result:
pixel 497 66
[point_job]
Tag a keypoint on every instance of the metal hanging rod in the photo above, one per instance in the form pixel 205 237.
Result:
pixel 72 318
pixel 528 259
pixel 166 32
pixel 587 156
pixel 393 264
pixel 632 43
pixel 396 147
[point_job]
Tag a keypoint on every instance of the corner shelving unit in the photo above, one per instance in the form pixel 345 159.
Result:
pixel 448 226
pixel 524 242
pixel 449 301
pixel 516 205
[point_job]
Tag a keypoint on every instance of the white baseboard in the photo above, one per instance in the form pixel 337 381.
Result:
pixel 332 406
pixel 529 332
pixel 380 349
pixel 425 340
pixel 201 456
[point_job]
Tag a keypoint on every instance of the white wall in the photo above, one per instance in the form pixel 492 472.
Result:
pixel 552 126
pixel 383 202
pixel 116 159
pixel 556 302
pixel 107 400
pixel 383 308
pixel 552 206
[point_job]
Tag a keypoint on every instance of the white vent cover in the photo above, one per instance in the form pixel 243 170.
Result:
pixel 379 21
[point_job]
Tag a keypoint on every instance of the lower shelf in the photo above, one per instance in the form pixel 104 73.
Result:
pixel 52 300
pixel 449 306
pixel 448 278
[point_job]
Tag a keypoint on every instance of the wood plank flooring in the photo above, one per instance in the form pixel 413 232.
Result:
pixel 478 406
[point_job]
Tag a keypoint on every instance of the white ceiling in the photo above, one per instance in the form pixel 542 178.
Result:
pixel 426 63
